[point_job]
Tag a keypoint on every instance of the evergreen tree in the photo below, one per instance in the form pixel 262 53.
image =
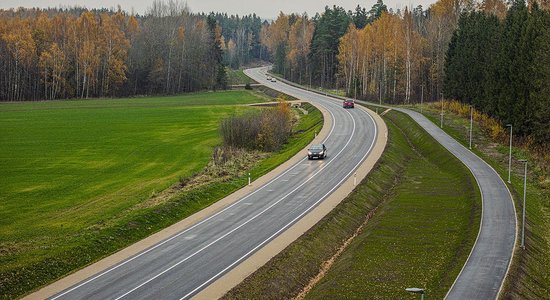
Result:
pixel 511 68
pixel 329 28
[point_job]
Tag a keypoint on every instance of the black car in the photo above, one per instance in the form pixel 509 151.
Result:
pixel 317 151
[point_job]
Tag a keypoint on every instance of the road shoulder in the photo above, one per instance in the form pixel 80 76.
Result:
pixel 221 286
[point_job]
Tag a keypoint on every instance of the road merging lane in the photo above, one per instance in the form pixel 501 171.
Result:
pixel 184 264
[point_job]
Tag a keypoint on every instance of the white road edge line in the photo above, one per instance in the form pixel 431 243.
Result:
pixel 291 222
pixel 266 209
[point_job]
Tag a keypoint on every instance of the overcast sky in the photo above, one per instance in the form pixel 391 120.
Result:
pixel 267 9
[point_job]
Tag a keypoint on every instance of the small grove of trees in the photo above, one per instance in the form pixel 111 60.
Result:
pixel 77 53
pixel 377 54
pixel 502 67
pixel 267 130
pixel 399 57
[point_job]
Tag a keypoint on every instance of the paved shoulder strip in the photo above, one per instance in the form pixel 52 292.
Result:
pixel 485 270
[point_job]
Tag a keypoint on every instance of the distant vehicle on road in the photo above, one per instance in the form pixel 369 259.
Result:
pixel 317 151
pixel 273 79
pixel 269 78
pixel 348 103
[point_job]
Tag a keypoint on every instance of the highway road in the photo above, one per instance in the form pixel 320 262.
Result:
pixel 184 264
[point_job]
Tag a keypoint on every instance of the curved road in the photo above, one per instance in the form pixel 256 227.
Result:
pixel 485 270
pixel 184 264
pixel 483 274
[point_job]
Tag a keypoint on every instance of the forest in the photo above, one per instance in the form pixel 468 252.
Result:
pixel 78 53
pixel 491 54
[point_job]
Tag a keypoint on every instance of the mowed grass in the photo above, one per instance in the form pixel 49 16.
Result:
pixel 528 277
pixel 67 167
pixel 426 207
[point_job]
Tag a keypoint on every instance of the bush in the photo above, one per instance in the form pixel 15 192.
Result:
pixel 267 130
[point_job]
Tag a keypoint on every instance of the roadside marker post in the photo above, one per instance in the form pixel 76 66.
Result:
pixel 248 178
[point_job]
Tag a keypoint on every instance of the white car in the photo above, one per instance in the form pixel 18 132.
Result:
pixel 268 78
pixel 273 79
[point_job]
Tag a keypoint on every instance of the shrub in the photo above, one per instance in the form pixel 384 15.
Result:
pixel 267 130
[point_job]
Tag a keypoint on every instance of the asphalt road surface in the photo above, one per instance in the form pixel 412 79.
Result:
pixel 485 270
pixel 184 264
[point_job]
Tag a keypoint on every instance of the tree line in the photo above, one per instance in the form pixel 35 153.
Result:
pixel 492 54
pixel 377 54
pixel 79 53
pixel 502 67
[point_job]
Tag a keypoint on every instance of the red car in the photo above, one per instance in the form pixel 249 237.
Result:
pixel 348 103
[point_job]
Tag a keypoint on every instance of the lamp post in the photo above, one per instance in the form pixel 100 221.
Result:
pixel 471 124
pixel 510 156
pixel 441 98
pixel 416 291
pixel 524 196
pixel 422 99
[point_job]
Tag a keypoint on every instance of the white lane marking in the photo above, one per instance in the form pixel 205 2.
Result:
pixel 288 224
pixel 247 221
pixel 299 163
pixel 258 214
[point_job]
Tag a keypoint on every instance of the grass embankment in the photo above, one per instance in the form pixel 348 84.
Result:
pixel 426 208
pixel 529 277
pixel 74 172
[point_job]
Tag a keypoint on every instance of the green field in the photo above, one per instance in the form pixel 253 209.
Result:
pixel 75 172
pixel 426 207
pixel 67 166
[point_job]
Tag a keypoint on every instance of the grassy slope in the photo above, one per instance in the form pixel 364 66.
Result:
pixel 237 77
pixel 422 231
pixel 66 165
pixel 529 277
pixel 31 262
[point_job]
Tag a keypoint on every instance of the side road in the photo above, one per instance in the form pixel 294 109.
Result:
pixel 483 275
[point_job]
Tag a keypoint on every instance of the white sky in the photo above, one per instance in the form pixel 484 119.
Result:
pixel 267 9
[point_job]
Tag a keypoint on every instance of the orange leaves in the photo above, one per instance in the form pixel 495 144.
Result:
pixel 277 33
pixel 19 41
pixel 299 41
pixel 381 57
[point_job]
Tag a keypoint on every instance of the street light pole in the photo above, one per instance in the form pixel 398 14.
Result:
pixel 471 124
pixel 441 98
pixel 524 197
pixel 510 156
pixel 422 99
